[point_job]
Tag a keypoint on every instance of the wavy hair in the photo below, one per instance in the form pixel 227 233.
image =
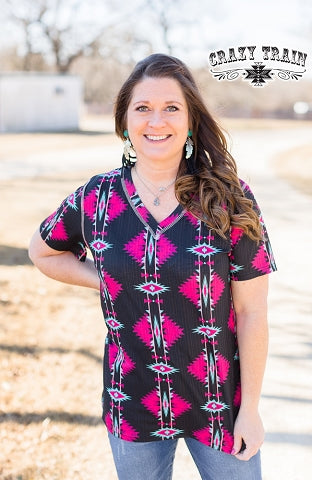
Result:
pixel 207 184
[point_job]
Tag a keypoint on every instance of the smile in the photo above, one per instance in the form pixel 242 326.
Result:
pixel 156 138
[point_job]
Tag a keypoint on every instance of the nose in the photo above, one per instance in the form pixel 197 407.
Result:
pixel 156 119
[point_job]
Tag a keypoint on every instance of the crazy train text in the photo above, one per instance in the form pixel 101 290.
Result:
pixel 247 53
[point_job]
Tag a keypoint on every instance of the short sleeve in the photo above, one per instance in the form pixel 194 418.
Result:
pixel 63 229
pixel 249 258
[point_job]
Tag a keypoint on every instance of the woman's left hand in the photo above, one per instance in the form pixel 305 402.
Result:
pixel 249 429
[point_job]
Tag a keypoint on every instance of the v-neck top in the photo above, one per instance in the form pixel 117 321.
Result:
pixel 171 362
pixel 155 228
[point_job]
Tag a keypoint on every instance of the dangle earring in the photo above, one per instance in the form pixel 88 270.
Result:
pixel 189 144
pixel 129 151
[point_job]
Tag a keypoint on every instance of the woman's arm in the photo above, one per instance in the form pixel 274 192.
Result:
pixel 250 305
pixel 62 266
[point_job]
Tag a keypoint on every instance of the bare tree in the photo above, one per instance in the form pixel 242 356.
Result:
pixel 61 30
pixel 169 17
pixel 161 12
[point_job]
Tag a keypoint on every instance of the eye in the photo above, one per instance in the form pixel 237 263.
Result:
pixel 142 108
pixel 172 108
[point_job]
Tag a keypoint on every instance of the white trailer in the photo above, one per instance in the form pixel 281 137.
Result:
pixel 36 101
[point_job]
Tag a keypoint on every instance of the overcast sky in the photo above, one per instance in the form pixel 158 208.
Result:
pixel 205 25
pixel 227 23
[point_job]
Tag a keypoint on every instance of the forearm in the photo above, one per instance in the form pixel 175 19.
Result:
pixel 67 269
pixel 252 335
pixel 62 266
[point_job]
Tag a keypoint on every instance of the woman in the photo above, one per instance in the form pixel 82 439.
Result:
pixel 181 257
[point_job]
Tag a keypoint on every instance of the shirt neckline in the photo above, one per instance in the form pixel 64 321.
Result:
pixel 144 215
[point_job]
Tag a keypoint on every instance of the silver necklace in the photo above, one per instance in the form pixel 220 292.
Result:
pixel 161 189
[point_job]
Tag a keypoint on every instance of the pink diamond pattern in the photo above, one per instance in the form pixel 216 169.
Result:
pixel 136 248
pixel 190 289
pixel 260 261
pixel 89 203
pixel 152 403
pixel 216 287
pixel 171 331
pixel 165 250
pixel 127 364
pixel 59 232
pixel 142 329
pixel 204 435
pixel 127 432
pixel 236 235
pixel 115 207
pixel 114 287
pixel 198 368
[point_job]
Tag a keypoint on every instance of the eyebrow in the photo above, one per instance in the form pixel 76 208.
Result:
pixel 167 103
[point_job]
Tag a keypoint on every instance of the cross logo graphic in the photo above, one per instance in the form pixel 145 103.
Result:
pixel 258 74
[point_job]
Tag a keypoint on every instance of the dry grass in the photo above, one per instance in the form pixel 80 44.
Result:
pixel 51 335
pixel 295 166
pixel 51 341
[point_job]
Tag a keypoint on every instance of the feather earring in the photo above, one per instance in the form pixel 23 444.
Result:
pixel 129 151
pixel 189 145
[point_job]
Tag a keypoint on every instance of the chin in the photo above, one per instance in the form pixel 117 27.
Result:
pixel 162 157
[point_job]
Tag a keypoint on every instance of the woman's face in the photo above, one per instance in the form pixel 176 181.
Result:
pixel 158 120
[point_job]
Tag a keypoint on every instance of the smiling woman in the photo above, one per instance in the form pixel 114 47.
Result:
pixel 206 177
pixel 157 125
pixel 180 257
pixel 158 122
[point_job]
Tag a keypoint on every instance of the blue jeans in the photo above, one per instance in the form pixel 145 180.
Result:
pixel 154 461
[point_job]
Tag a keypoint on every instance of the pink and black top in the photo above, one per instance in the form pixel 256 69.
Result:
pixel 171 362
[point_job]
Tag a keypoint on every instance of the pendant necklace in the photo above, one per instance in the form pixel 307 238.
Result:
pixel 161 189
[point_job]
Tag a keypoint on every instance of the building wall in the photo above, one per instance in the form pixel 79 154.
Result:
pixel 39 102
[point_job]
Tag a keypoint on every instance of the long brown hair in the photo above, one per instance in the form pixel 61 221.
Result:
pixel 207 184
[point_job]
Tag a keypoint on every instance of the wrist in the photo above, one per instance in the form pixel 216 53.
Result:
pixel 249 406
pixel 250 397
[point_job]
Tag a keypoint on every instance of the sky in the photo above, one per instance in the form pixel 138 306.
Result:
pixel 249 22
pixel 217 25
pixel 201 26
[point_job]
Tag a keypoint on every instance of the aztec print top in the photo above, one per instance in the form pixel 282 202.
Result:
pixel 171 364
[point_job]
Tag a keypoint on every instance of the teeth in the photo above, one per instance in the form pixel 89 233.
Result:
pixel 157 137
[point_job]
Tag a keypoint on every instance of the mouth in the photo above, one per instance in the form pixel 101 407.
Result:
pixel 157 138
